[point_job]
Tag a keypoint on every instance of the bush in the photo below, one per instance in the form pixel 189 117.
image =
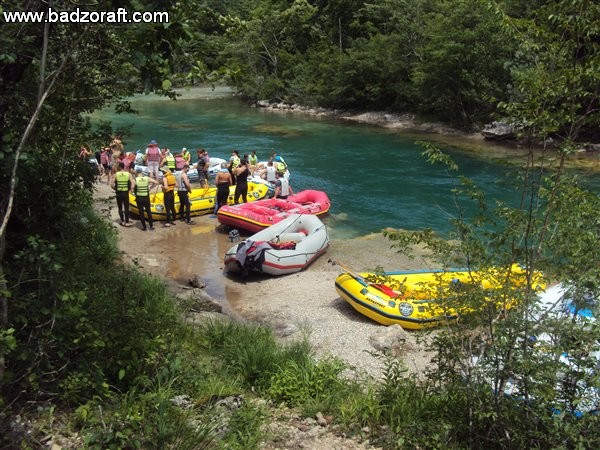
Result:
pixel 84 322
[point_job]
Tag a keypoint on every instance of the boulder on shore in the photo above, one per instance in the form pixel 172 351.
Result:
pixel 499 131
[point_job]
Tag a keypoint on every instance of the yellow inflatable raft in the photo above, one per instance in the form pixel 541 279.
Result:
pixel 409 298
pixel 202 200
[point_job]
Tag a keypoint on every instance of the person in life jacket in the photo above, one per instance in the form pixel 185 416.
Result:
pixel 271 172
pixel 139 157
pixel 234 161
pixel 153 158
pixel 169 183
pixel 169 160
pixel 123 184
pixel 282 187
pixel 183 190
pixel 252 161
pixel 143 185
pixel 179 161
pixel 186 155
pixel 280 164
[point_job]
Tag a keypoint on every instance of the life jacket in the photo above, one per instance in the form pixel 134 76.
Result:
pixel 123 181
pixel 281 167
pixel 181 185
pixel 285 187
pixel 141 186
pixel 126 162
pixel 201 162
pixel 171 162
pixel 139 158
pixel 271 173
pixel 253 159
pixel 235 161
pixel 171 182
pixel 179 162
pixel 186 156
pixel 153 153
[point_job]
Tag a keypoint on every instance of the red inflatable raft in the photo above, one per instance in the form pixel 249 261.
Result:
pixel 260 214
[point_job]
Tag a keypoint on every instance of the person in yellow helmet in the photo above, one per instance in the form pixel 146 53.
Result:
pixel 123 184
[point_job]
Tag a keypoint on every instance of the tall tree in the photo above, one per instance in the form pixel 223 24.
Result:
pixel 464 61
pixel 51 74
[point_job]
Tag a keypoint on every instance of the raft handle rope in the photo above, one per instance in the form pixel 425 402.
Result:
pixel 276 237
pixel 381 287
pixel 321 247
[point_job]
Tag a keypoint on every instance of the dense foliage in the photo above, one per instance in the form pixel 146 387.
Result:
pixel 449 60
pixel 74 322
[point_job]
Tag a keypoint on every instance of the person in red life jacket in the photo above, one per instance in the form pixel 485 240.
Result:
pixel 183 191
pixel 123 184
pixel 126 160
pixel 143 184
pixel 106 164
pixel 169 183
pixel 179 161
pixel 153 158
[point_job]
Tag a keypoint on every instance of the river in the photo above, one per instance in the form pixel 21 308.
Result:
pixel 375 177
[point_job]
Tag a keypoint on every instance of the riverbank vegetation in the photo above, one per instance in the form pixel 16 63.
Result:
pixel 92 349
pixel 451 61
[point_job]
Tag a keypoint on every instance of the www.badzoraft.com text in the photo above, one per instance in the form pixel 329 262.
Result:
pixel 78 15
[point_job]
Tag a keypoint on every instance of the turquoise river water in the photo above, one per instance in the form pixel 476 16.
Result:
pixel 375 178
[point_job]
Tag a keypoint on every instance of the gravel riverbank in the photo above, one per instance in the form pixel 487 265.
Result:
pixel 305 303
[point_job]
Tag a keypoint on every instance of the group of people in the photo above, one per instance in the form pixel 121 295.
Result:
pixel 141 185
pixel 125 174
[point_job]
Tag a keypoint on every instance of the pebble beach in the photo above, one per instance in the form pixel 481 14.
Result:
pixel 304 304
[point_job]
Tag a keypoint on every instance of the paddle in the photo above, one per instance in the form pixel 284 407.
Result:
pixel 154 197
pixel 383 288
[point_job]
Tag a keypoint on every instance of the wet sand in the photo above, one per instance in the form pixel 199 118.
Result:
pixel 304 303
